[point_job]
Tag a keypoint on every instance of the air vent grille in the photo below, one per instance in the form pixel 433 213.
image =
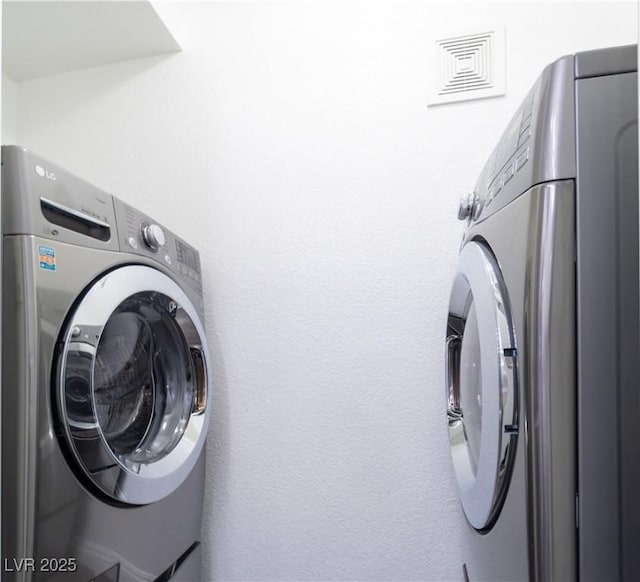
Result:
pixel 469 66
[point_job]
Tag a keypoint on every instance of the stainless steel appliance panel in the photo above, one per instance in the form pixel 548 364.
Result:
pixel 608 324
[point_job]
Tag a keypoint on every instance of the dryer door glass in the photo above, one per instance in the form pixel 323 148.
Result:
pixel 481 385
pixel 133 385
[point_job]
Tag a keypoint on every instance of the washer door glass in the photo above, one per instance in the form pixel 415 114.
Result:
pixel 481 385
pixel 132 387
pixel 143 380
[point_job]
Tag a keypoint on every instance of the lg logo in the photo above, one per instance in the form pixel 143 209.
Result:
pixel 45 173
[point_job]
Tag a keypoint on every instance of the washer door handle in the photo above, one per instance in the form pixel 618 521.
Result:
pixel 200 391
pixel 452 363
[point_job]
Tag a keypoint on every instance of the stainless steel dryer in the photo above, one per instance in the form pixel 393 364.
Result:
pixel 106 386
pixel 542 335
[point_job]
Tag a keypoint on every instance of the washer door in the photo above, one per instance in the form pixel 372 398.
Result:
pixel 132 388
pixel 481 385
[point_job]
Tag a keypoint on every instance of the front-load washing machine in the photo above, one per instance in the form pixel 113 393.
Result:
pixel 106 385
pixel 542 348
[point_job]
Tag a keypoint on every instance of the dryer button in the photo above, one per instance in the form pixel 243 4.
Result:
pixel 508 174
pixel 133 243
pixel 467 203
pixel 522 158
pixel 167 259
pixel 524 135
pixel 495 188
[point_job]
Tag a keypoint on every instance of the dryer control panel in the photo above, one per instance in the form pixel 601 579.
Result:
pixel 537 146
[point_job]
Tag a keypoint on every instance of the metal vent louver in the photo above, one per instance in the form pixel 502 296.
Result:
pixel 469 66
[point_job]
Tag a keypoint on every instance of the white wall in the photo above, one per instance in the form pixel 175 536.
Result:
pixel 292 143
pixel 10 111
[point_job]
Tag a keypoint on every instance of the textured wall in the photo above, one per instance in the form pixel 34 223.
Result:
pixel 292 143
pixel 9 111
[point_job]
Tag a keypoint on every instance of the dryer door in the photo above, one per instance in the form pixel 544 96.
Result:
pixel 133 385
pixel 481 385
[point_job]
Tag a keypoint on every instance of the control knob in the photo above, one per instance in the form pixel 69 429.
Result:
pixel 153 236
pixel 467 206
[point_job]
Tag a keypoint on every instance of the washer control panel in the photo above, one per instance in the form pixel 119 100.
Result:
pixel 141 235
pixel 43 199
pixel 153 236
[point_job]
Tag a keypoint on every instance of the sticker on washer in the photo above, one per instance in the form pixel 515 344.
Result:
pixel 47 258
